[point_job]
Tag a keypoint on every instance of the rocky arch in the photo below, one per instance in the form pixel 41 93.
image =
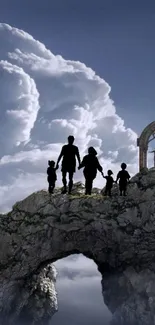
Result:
pixel 142 143
pixel 40 230
pixel 117 233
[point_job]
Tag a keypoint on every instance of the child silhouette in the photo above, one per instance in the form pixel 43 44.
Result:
pixel 52 177
pixel 109 182
pixel 123 177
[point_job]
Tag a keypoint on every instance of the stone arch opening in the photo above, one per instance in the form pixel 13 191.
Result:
pixel 120 299
pixel 79 292
pixel 142 143
pixel 94 295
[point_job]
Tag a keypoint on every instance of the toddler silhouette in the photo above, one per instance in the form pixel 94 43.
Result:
pixel 109 182
pixel 52 177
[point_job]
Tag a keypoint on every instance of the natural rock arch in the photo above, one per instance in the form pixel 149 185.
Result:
pixel 115 233
pixel 142 143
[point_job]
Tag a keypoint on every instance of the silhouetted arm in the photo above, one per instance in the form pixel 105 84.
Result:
pixel 82 164
pixel 78 156
pixel 129 176
pixel 99 167
pixel 59 158
pixel 118 176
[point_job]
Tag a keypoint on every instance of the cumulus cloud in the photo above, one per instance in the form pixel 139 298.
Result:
pixel 20 105
pixel 77 265
pixel 44 98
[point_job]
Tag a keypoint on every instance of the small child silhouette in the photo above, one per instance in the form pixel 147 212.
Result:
pixel 123 177
pixel 52 177
pixel 109 183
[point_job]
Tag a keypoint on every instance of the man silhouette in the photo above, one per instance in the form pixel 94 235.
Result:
pixel 69 152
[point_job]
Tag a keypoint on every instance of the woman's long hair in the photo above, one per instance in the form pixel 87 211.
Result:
pixel 92 151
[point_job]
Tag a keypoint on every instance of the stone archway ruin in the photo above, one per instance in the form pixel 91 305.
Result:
pixel 142 143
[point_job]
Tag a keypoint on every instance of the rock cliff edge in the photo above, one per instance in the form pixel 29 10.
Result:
pixel 118 233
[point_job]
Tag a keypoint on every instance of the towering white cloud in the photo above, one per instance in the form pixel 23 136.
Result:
pixel 19 105
pixel 44 98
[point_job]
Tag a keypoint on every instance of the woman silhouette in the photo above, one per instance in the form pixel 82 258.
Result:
pixel 91 165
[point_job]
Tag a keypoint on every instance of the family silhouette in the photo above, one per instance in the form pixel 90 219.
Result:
pixel 91 165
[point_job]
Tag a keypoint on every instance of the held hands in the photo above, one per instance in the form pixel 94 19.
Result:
pixel 57 166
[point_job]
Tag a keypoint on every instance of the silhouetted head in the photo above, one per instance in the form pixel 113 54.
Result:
pixel 70 139
pixel 92 151
pixel 110 172
pixel 51 163
pixel 123 166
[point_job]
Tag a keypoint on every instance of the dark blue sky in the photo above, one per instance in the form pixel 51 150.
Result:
pixel 115 37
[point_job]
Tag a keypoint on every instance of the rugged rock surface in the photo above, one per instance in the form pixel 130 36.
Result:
pixel 130 296
pixel 31 300
pixel 115 232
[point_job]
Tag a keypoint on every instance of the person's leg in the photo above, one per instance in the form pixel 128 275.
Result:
pixel 48 180
pixel 89 185
pixel 120 189
pixel 49 188
pixel 124 190
pixel 64 181
pixel 106 191
pixel 109 191
pixel 86 185
pixel 52 187
pixel 92 177
pixel 70 182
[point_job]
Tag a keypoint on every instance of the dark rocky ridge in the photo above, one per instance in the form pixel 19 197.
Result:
pixel 117 233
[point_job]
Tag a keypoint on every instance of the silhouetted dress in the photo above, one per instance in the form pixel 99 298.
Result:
pixel 91 165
